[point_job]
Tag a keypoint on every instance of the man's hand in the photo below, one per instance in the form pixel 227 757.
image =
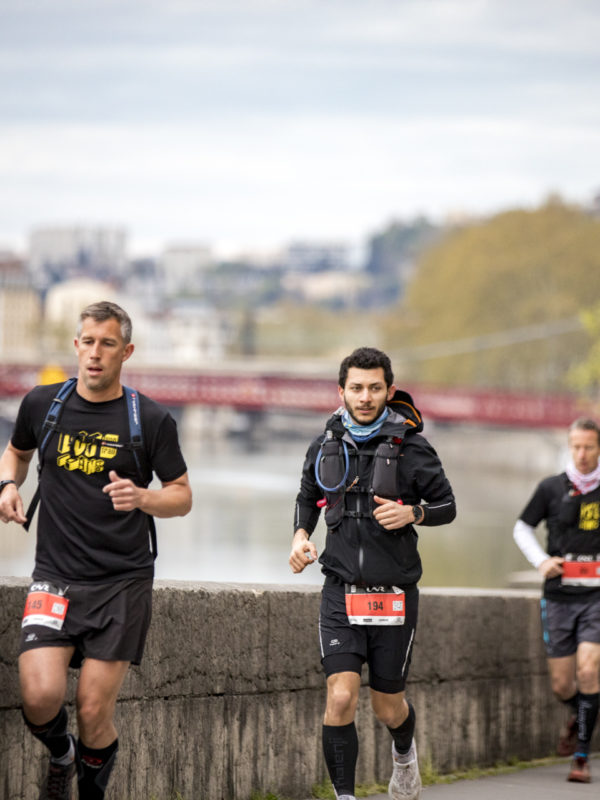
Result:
pixel 303 551
pixel 551 567
pixel 392 514
pixel 124 494
pixel 11 505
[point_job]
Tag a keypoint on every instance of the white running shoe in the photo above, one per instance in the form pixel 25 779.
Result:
pixel 405 783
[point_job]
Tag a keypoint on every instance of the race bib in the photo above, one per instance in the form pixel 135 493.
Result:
pixel 580 570
pixel 375 605
pixel 45 606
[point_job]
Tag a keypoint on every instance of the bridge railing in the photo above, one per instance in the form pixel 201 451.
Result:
pixel 265 391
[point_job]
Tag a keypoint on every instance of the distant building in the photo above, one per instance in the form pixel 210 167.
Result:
pixel 64 302
pixel 182 267
pixel 145 283
pixel 58 254
pixel 330 288
pixel 195 333
pixel 20 312
pixel 316 257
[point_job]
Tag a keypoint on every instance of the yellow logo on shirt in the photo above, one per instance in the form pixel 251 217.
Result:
pixel 85 451
pixel 589 516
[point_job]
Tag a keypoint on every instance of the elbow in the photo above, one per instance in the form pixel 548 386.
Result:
pixel 186 504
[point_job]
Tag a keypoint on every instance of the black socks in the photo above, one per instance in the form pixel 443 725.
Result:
pixel 53 734
pixel 573 702
pixel 587 714
pixel 340 748
pixel 94 770
pixel 403 734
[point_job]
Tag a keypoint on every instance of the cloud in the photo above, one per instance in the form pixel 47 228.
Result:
pixel 260 119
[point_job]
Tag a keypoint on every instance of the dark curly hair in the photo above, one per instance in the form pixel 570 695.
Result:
pixel 366 358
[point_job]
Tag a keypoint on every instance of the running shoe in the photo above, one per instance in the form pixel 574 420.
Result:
pixel 567 738
pixel 58 783
pixel 405 783
pixel 580 770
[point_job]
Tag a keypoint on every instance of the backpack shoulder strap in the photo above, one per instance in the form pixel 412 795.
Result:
pixel 135 427
pixel 49 425
pixel 137 445
pixel 54 414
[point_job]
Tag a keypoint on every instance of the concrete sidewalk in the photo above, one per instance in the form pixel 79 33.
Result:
pixel 533 783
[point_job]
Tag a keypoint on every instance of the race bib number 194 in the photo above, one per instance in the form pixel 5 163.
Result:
pixel 375 605
pixel 44 606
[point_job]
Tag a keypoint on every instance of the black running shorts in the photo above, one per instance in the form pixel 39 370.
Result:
pixel 106 621
pixel 387 649
pixel 566 625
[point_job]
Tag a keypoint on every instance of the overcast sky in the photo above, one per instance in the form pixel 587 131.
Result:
pixel 246 124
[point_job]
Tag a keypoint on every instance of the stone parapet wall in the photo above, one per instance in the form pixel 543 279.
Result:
pixel 229 698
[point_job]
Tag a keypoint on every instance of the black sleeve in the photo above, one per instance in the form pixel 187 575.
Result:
pixel 31 415
pixel 306 514
pixel 431 483
pixel 537 509
pixel 166 458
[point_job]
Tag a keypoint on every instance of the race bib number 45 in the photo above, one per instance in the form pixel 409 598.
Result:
pixel 375 605
pixel 45 606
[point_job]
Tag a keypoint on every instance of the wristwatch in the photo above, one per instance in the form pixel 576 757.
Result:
pixel 5 483
pixel 419 514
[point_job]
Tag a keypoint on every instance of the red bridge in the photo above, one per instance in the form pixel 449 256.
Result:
pixel 248 391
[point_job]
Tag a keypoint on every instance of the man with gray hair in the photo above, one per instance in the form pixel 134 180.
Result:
pixel 89 605
pixel 570 505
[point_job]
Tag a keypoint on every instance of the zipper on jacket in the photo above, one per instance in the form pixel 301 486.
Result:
pixel 361 552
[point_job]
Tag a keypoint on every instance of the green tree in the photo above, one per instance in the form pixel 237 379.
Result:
pixel 504 275
pixel 585 376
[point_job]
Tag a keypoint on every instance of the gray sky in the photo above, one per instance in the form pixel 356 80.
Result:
pixel 251 123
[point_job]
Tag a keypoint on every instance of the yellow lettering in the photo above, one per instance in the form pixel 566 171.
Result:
pixel 80 453
pixel 109 452
pixel 589 516
pixel 64 443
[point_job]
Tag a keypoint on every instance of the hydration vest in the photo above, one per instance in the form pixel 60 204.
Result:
pixel 333 466
pixel 136 445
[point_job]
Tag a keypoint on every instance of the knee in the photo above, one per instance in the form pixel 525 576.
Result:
pixel 563 687
pixel 587 678
pixel 390 715
pixel 91 718
pixel 341 704
pixel 41 703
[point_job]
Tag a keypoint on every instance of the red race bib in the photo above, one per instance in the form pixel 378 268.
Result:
pixel 375 605
pixel 579 570
pixel 44 606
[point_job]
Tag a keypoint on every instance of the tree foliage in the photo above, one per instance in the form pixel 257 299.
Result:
pixel 585 376
pixel 519 268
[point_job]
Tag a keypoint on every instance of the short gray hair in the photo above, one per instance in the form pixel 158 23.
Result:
pixel 106 310
pixel 585 424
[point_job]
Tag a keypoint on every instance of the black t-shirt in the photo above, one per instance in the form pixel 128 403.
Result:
pixel 81 538
pixel 573 524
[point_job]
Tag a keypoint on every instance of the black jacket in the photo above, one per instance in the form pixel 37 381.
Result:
pixel 360 550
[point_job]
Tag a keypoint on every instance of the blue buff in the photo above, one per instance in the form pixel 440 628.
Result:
pixel 363 432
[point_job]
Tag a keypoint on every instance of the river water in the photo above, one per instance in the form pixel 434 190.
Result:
pixel 240 526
